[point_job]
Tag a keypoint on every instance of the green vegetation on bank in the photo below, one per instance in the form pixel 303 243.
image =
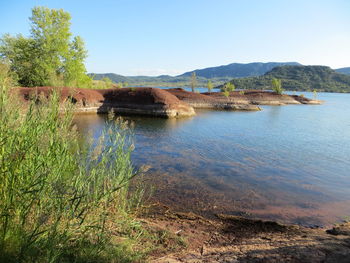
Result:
pixel 62 200
pixel 303 78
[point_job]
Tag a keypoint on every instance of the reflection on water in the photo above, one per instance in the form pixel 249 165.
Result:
pixel 286 162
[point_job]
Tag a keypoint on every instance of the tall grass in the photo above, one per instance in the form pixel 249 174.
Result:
pixel 60 198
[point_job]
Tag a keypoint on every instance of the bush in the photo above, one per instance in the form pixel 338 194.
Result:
pixel 228 87
pixel 59 197
pixel 277 86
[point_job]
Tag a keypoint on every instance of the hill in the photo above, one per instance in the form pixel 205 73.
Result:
pixel 343 70
pixel 218 75
pixel 305 78
pixel 238 70
pixel 112 76
pixel 163 80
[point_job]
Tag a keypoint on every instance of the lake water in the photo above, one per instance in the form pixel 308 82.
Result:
pixel 287 163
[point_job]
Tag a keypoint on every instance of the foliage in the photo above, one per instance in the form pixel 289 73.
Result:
pixel 193 83
pixel 48 57
pixel 228 87
pixel 210 86
pixel 277 86
pixel 108 84
pixel 60 198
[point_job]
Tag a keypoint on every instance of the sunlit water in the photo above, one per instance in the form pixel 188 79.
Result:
pixel 290 163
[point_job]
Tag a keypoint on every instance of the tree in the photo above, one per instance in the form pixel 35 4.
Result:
pixel 228 87
pixel 21 55
pixel 74 68
pixel 277 86
pixel 193 81
pixel 48 56
pixel 209 85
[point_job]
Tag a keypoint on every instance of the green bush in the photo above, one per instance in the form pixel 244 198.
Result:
pixel 60 197
pixel 277 86
pixel 228 87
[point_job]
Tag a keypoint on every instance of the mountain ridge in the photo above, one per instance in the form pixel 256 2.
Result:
pixel 303 78
pixel 238 70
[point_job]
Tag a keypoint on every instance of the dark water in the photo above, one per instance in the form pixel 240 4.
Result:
pixel 290 163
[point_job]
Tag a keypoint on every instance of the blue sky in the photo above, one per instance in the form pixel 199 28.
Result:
pixel 155 37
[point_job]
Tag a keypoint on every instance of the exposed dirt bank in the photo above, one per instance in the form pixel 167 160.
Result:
pixel 163 103
pixel 140 101
pixel 236 239
pixel 260 97
pixel 206 101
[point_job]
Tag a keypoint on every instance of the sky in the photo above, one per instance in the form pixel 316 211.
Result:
pixel 156 37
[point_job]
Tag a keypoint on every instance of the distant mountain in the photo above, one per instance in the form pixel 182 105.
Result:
pixel 112 76
pixel 307 78
pixel 343 70
pixel 164 80
pixel 218 75
pixel 238 70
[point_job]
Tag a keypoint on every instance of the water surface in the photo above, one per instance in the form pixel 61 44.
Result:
pixel 290 163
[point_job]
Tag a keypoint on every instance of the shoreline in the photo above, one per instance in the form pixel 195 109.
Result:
pixel 238 239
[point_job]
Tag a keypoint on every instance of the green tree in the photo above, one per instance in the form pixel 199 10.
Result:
pixel 21 55
pixel 193 81
pixel 74 68
pixel 228 87
pixel 277 86
pixel 48 56
pixel 209 86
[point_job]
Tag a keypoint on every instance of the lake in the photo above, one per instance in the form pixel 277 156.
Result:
pixel 287 163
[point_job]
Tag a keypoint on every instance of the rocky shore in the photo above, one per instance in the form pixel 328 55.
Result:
pixel 170 103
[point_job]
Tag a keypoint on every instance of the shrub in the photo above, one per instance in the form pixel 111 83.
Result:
pixel 58 196
pixel 228 87
pixel 277 86
pixel 209 86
